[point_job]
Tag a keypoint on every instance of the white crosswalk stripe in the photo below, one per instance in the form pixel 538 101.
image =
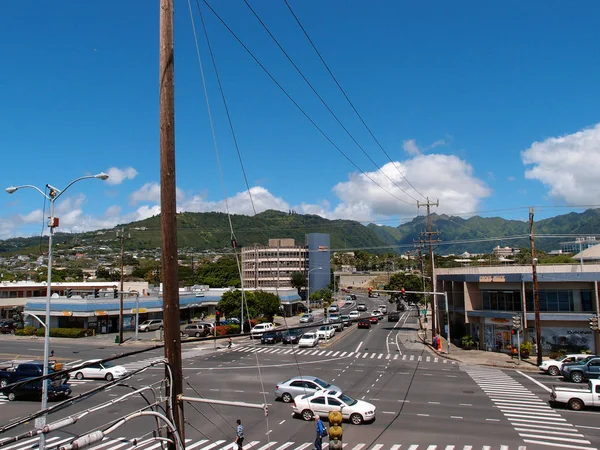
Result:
pixel 531 417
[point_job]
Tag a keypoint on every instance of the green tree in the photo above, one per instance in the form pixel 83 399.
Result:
pixel 298 280
pixel 221 273
pixel 409 282
pixel 324 294
pixel 267 304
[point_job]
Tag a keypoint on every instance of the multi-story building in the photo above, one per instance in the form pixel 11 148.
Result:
pixel 272 265
pixel 579 244
pixel 484 300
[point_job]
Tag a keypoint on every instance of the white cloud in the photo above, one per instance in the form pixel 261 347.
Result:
pixel 410 147
pixel 568 165
pixel 117 176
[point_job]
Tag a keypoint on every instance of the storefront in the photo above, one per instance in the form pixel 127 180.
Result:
pixel 497 334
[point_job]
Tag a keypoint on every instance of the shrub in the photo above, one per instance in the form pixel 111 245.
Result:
pixel 27 331
pixel 224 330
pixel 54 332
pixel 467 341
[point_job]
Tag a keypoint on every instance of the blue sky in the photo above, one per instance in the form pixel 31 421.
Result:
pixel 488 108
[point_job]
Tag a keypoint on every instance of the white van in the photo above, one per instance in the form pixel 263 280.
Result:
pixel 383 309
pixel 261 328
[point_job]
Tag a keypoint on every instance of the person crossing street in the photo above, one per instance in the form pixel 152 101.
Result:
pixel 321 432
pixel 239 435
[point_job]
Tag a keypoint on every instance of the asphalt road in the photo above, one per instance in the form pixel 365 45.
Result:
pixel 423 401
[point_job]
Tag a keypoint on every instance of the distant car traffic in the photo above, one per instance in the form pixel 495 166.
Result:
pixel 322 402
pixel 354 315
pixel 377 313
pixel 326 332
pixel 271 337
pixel 101 370
pixel 194 330
pixel 307 318
pixel 308 340
pixel 361 307
pixel 364 323
pixel 300 385
pixel 346 320
pixel 292 336
pixel 151 325
pixel 333 308
pixel 383 309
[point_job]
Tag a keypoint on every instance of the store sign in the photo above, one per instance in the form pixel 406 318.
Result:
pixel 498 320
pixel 492 279
pixel 67 313
pixel 100 313
pixel 139 310
pixel 323 248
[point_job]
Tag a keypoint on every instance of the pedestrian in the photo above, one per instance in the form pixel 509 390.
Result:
pixel 229 342
pixel 321 432
pixel 239 434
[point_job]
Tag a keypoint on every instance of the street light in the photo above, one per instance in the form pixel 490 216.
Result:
pixel 52 196
pixel 308 295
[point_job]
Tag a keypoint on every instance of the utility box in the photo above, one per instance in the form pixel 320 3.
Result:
pixel 158 335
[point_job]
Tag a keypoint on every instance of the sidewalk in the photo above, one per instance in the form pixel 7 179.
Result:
pixel 477 357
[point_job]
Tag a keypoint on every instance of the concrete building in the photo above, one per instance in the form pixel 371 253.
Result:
pixel 483 301
pixel 272 265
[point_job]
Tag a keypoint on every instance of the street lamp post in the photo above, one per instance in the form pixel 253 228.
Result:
pixel 308 295
pixel 52 195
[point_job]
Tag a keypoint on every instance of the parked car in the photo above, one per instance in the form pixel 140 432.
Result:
pixel 300 385
pixel 261 328
pixel 577 398
pixel 194 330
pixel 306 318
pixel 33 390
pixel 364 323
pixel 8 326
pixel 393 317
pixel 292 336
pixel 271 337
pixel 322 402
pixel 102 370
pixel 303 309
pixel 326 332
pixel 354 315
pixel 308 340
pixel 151 325
pixel 553 366
pixel 361 307
pixel 585 369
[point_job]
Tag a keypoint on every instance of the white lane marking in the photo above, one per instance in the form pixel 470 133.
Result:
pixel 358 348
pixel 543 386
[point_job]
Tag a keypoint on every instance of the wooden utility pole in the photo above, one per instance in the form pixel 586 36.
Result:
pixel 536 295
pixel 121 235
pixel 432 271
pixel 168 212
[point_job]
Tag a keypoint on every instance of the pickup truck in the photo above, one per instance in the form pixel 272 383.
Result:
pixel 577 398
pixel 586 369
pixel 13 374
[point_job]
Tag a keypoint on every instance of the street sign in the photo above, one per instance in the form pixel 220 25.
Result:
pixel 139 310
pixel 423 311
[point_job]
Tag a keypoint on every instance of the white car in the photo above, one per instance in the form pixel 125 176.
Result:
pixel 261 328
pixel 377 313
pixel 383 309
pixel 308 340
pixel 326 332
pixel 103 370
pixel 354 315
pixel 321 403
pixel 333 308
pixel 554 366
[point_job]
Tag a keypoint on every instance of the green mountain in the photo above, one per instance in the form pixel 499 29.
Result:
pixel 211 232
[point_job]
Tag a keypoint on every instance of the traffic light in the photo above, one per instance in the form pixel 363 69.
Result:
pixel 115 293
pixel 517 322
pixel 69 293
pixel 335 430
pixel 513 331
pixel 594 323
pixel 218 317
pixel 96 293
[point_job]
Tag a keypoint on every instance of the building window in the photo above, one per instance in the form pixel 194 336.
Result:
pixel 502 301
pixel 560 301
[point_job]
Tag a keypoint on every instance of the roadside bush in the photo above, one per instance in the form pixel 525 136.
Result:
pixel 224 330
pixel 27 331
pixel 68 332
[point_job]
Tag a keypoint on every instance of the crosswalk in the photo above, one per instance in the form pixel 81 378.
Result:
pixel 532 418
pixel 205 444
pixel 3 399
pixel 340 354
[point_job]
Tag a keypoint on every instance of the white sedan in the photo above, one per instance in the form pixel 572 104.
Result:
pixel 104 370
pixel 321 403
pixel 354 315
pixel 308 340
pixel 326 332
pixel 377 313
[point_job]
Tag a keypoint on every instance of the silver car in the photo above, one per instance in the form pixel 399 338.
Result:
pixel 305 384
pixel 151 325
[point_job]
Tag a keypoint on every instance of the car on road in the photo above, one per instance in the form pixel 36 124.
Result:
pixel 321 403
pixel 271 337
pixel 354 315
pixel 33 389
pixel 292 336
pixel 107 370
pixel 333 308
pixel 553 366
pixel 194 330
pixel 585 369
pixel 326 332
pixel 373 319
pixel 382 309
pixel 261 328
pixel 376 313
pixel 151 325
pixel 307 318
pixel 353 297
pixel 364 323
pixel 346 320
pixel 308 340
pixel 393 317
pixel 361 307
pixel 348 301
pixel 8 326
pixel 300 385
pixel 577 398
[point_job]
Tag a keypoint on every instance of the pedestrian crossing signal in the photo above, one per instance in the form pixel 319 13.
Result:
pixel 335 430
